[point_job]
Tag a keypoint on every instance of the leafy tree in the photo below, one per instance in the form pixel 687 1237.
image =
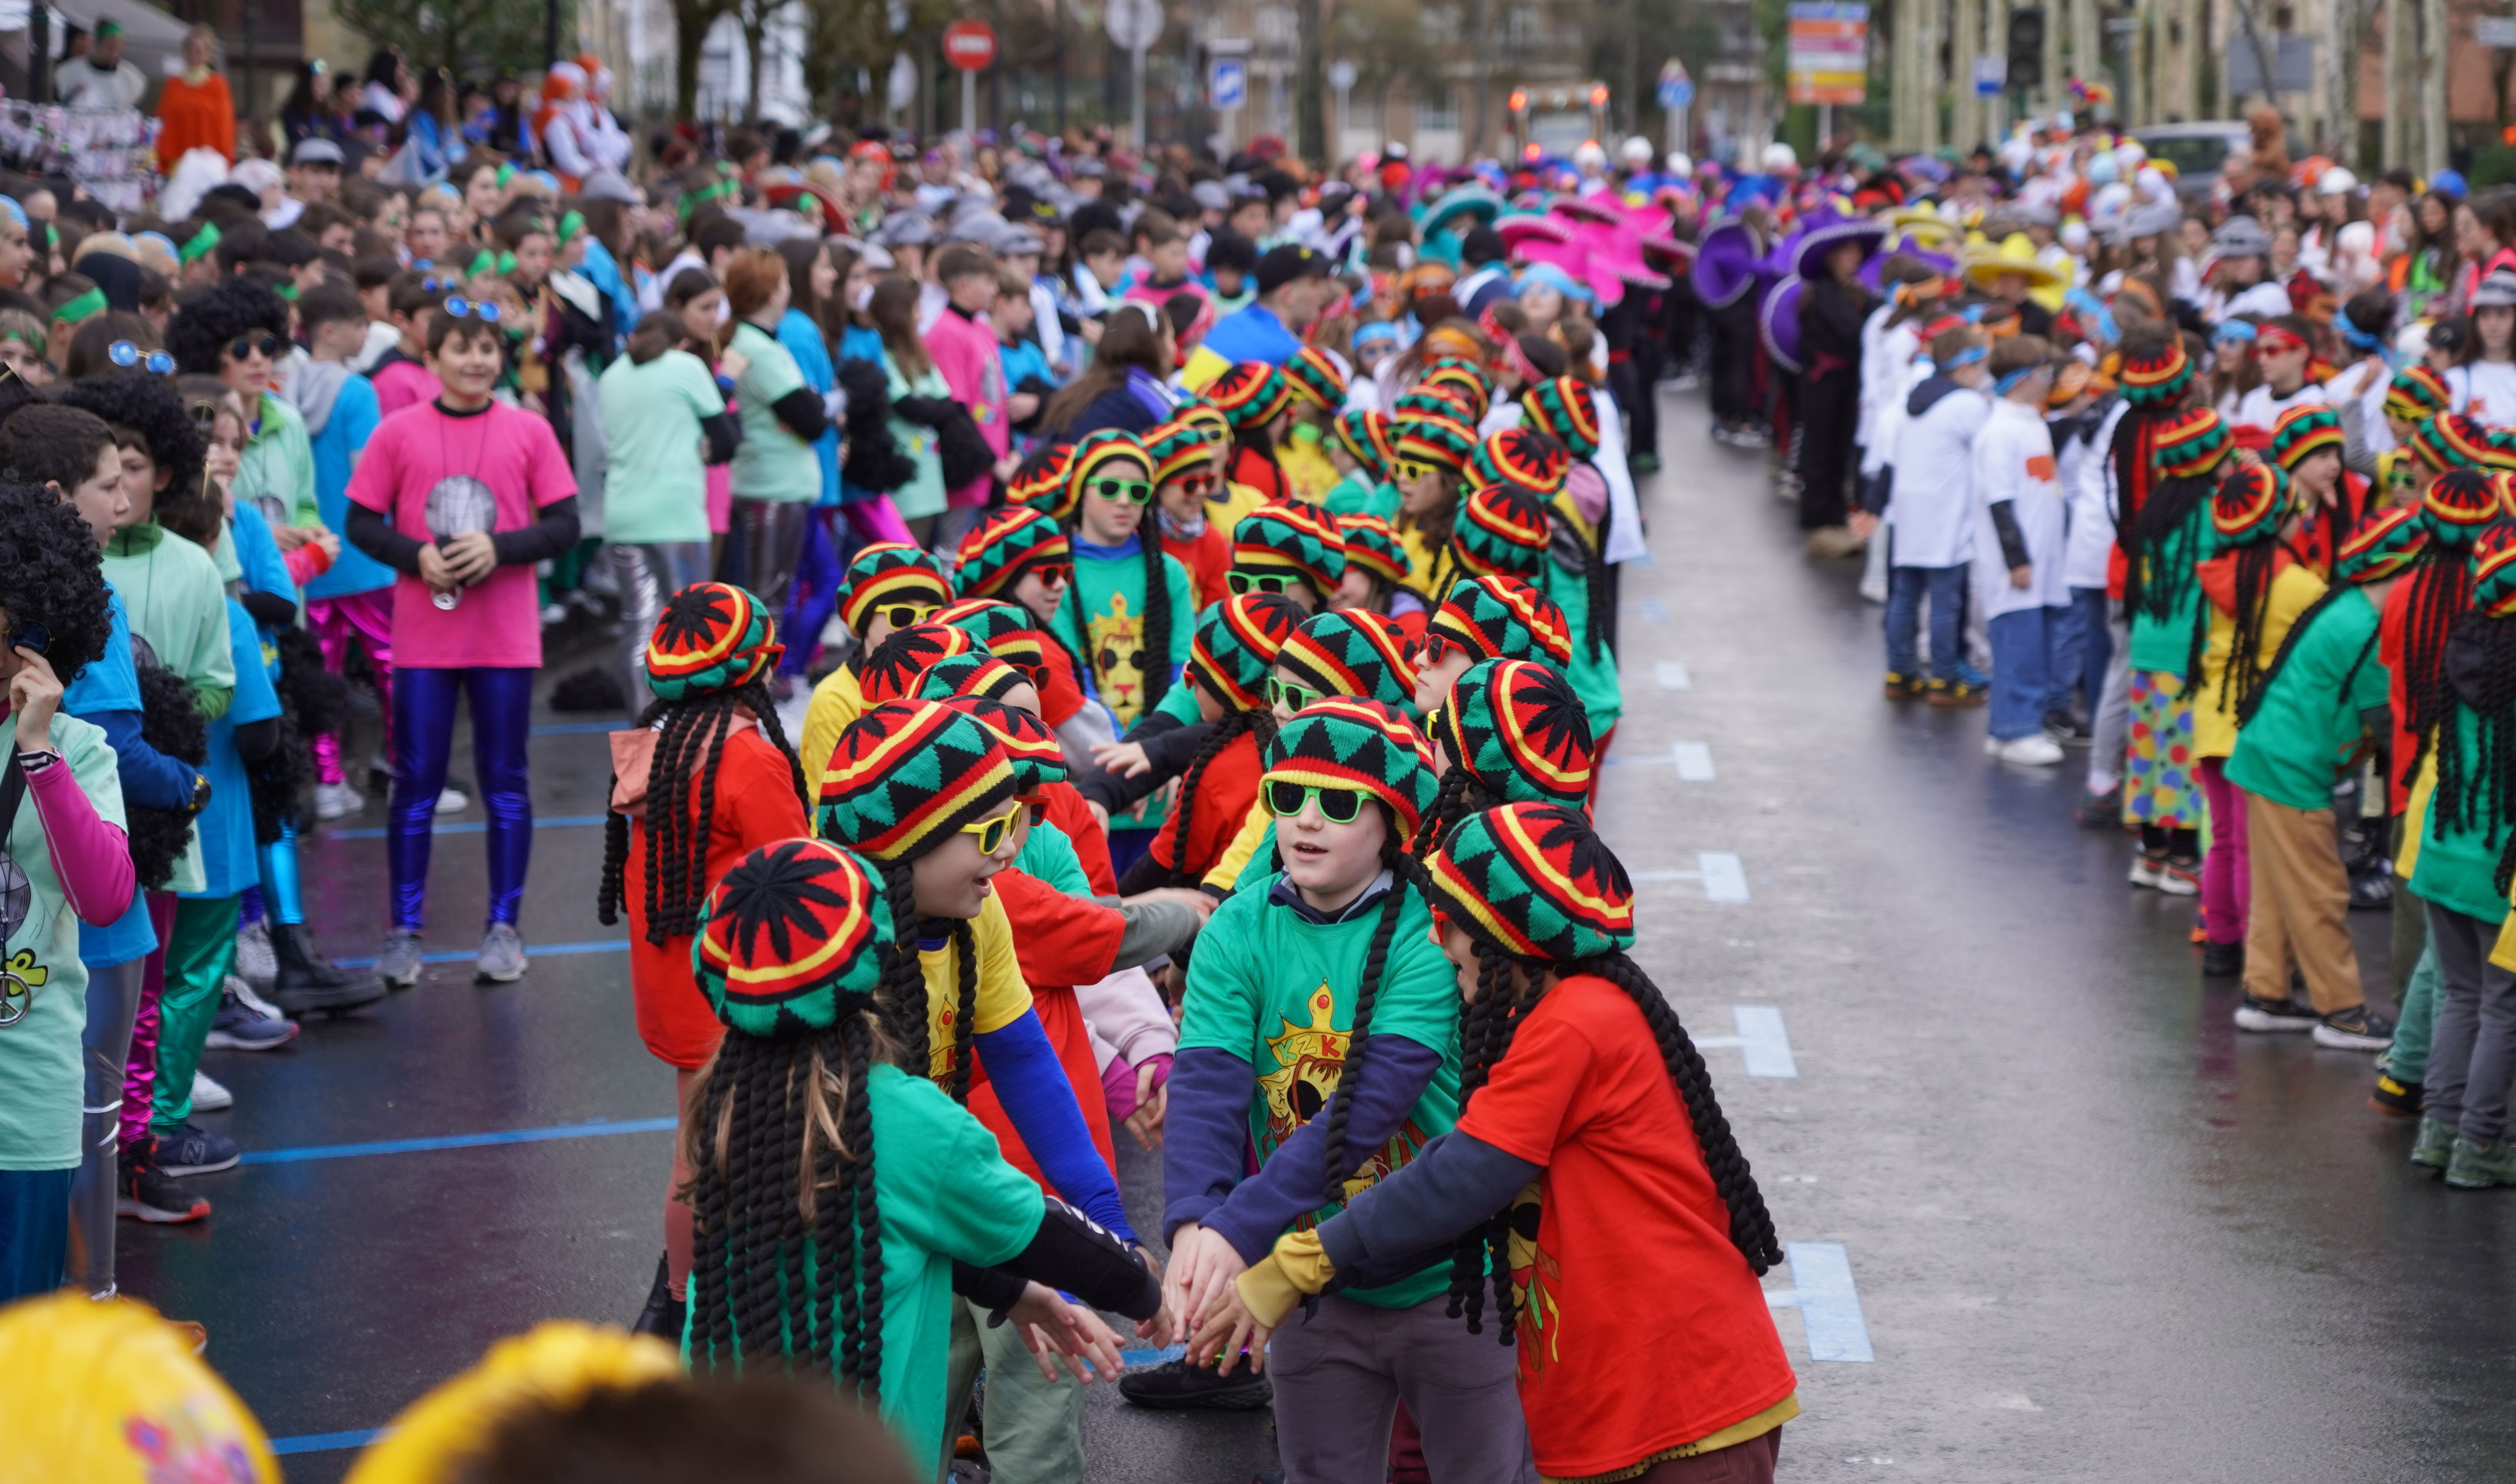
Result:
pixel 470 38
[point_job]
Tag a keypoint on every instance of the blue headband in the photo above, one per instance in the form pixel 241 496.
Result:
pixel 2007 383
pixel 1377 329
pixel 2357 338
pixel 1552 277
pixel 2231 331
pixel 1965 358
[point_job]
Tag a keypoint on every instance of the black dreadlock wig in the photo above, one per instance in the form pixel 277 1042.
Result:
pixel 786 1259
pixel 1460 795
pixel 2478 793
pixel 2440 593
pixel 1507 988
pixel 170 721
pixel 2254 701
pixel 1257 722
pixel 55 579
pixel 680 813
pixel 2256 563
pixel 313 703
pixel 1571 552
pixel 2162 542
pixel 1340 1108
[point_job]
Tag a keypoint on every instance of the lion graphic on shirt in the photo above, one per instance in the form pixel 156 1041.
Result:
pixel 1310 1060
pixel 1535 1274
pixel 1118 658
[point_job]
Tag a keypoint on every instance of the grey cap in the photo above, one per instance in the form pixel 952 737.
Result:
pixel 2035 214
pixel 905 229
pixel 1016 242
pixel 2152 220
pixel 1210 195
pixel 609 186
pixel 877 257
pixel 982 226
pixel 2242 238
pixel 2497 290
pixel 315 152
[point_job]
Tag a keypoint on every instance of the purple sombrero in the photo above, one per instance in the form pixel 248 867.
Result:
pixel 1521 227
pixel 1778 321
pixel 1824 231
pixel 1724 263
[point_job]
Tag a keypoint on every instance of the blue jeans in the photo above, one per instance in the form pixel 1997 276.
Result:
pixel 2025 671
pixel 1906 587
pixel 34 1231
pixel 2082 648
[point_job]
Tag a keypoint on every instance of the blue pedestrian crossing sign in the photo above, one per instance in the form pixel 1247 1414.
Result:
pixel 1227 82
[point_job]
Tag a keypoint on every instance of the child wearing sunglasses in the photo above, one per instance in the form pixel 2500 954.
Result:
pixel 1188 471
pixel 1431 474
pixel 238 330
pixel 1362 449
pixel 1254 397
pixel 1321 1032
pixel 1317 381
pixel 890 585
pixel 1235 646
pixel 1290 550
pixel 1375 576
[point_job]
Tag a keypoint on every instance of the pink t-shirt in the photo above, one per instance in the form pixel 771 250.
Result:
pixel 515 455
pixel 965 351
pixel 402 384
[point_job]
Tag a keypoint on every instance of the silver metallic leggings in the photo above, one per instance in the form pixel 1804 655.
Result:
pixel 773 546
pixel 649 572
pixel 112 999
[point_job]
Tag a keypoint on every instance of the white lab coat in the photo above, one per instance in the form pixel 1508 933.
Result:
pixel 1930 508
pixel 1875 372
pixel 2089 490
pixel 2013 463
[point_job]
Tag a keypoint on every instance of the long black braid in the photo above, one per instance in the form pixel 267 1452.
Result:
pixel 1484 1035
pixel 2134 454
pixel 1594 581
pixel 2441 583
pixel 1459 796
pixel 1258 721
pixel 900 996
pixel 2253 591
pixel 779 1143
pixel 2478 793
pixel 2254 701
pixel 2162 542
pixel 690 746
pixel 965 958
pixel 1359 1038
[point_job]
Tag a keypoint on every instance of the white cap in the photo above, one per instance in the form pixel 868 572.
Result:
pixel 1780 156
pixel 1635 152
pixel 2338 181
pixel 1681 165
pixel 1590 155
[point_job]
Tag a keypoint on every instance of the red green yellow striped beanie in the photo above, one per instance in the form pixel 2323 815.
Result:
pixel 1472 390
pixel 2459 505
pixel 1352 651
pixel 1029 746
pixel 2249 504
pixel 1566 409
pixel 1290 536
pixel 1235 644
pixel 891 572
pixel 1428 437
pixel 1312 374
pixel 1178 447
pixel 1523 458
pixel 1372 544
pixel 908 774
pixel 2157 375
pixel 1249 395
pixel 2382 546
pixel 996 552
pixel 1516 727
pixel 1499 617
pixel 2191 443
pixel 1349 743
pixel 713 636
pixel 1533 881
pixel 2415 391
pixel 785 938
pixel 1367 436
pixel 2300 432
pixel 1039 480
pixel 2450 441
pixel 891 672
pixel 1095 454
pixel 1501 529
pixel 1002 630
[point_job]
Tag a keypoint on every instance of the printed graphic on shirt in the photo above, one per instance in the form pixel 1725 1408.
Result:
pixel 1534 1277
pixel 1119 655
pixel 1310 1061
pixel 2040 467
pixel 20 976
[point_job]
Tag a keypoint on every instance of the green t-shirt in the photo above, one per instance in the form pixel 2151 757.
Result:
pixel 2457 866
pixel 943 1191
pixel 1592 678
pixel 2167 644
pixel 1358 495
pixel 178 604
pixel 1278 992
pixel 1109 593
pixel 655 486
pixel 1048 857
pixel 2306 730
pixel 43 985
pixel 278 460
pixel 772 463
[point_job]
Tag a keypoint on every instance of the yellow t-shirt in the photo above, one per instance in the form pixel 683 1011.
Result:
pixel 1429 572
pixel 1003 995
pixel 836 701
pixel 1225 514
pixel 1236 856
pixel 1306 468
pixel 2215 715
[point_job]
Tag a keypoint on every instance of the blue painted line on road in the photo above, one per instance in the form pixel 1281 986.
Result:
pixel 1829 1306
pixel 536 950
pixel 1761 1043
pixel 326 1442
pixel 473 827
pixel 594 1131
pixel 576 728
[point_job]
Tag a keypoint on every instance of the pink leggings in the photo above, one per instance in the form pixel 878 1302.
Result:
pixel 140 1066
pixel 2226 884
pixel 365 618
pixel 878 519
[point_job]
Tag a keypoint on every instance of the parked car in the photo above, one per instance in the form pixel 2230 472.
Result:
pixel 2199 151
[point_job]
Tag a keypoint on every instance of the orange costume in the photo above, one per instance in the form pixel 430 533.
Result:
pixel 196 113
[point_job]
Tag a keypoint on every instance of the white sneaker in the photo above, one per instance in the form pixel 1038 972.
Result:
pixel 255 963
pixel 2035 749
pixel 453 802
pixel 334 801
pixel 208 1096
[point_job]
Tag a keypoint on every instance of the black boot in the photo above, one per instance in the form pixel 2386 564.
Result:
pixel 664 1314
pixel 309 980
pixel 2222 961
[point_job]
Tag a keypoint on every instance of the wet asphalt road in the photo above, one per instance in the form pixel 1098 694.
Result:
pixel 2091 1231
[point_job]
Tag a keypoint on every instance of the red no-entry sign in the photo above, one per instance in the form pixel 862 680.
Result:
pixel 970 45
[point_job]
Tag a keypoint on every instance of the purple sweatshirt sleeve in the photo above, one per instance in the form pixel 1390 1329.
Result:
pixel 1205 1134
pixel 89 855
pixel 1262 1208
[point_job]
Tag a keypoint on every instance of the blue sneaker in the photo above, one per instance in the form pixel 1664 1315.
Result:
pixel 185 1150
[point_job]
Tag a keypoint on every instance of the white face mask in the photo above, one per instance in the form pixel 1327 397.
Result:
pixel 862 299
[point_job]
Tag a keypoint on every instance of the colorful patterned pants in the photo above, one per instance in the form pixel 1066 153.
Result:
pixel 2160 785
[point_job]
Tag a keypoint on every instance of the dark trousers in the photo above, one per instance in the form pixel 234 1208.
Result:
pixel 1733 360
pixel 1829 412
pixel 1749 1463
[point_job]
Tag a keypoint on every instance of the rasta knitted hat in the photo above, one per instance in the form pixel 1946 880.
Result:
pixel 1029 746
pixel 1039 480
pixel 2157 375
pixel 1433 400
pixel 713 636
pixel 2249 504
pixel 2459 505
pixel 1372 544
pixel 1516 727
pixel 1534 882
pixel 1237 642
pixel 1249 395
pixel 975 673
pixel 1499 617
pixel 1098 456
pixel 1313 375
pixel 1502 528
pixel 998 549
pixel 2191 443
pixel 1367 436
pixel 2493 571
pixel 1352 651
pixel 2448 440
pixel 1178 447
pixel 2381 547
pixel 887 573
pixel 1349 743
pixel 1294 538
pixel 1429 438
pixel 2302 431
pixel 1566 409
pixel 891 672
pixel 1208 418
pixel 908 774
pixel 1470 388
pixel 1003 630
pixel 2415 391
pixel 1523 458
pixel 786 939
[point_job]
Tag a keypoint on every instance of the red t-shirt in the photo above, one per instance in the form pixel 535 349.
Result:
pixel 1068 811
pixel 1208 556
pixel 755 806
pixel 1224 794
pixel 1642 1328
pixel 2389 650
pixel 1059 941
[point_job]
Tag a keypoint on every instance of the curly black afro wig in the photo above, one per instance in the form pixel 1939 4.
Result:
pixel 55 576
pixel 149 406
pixel 171 722
pixel 207 319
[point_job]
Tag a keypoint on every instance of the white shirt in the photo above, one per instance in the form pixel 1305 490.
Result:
pixel 2262 408
pixel 2013 464
pixel 2485 391
pixel 82 84
pixel 1931 504
pixel 1884 353
pixel 2088 556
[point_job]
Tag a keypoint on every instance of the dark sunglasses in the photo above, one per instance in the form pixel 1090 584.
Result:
pixel 1138 491
pixel 30 635
pixel 123 353
pixel 1051 573
pixel 1196 484
pixel 462 308
pixel 1337 806
pixel 1242 583
pixel 245 346
pixel 1291 697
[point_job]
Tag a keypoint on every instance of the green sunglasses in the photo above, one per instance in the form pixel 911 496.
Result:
pixel 992 832
pixel 1291 697
pixel 1138 491
pixel 1242 583
pixel 1337 806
